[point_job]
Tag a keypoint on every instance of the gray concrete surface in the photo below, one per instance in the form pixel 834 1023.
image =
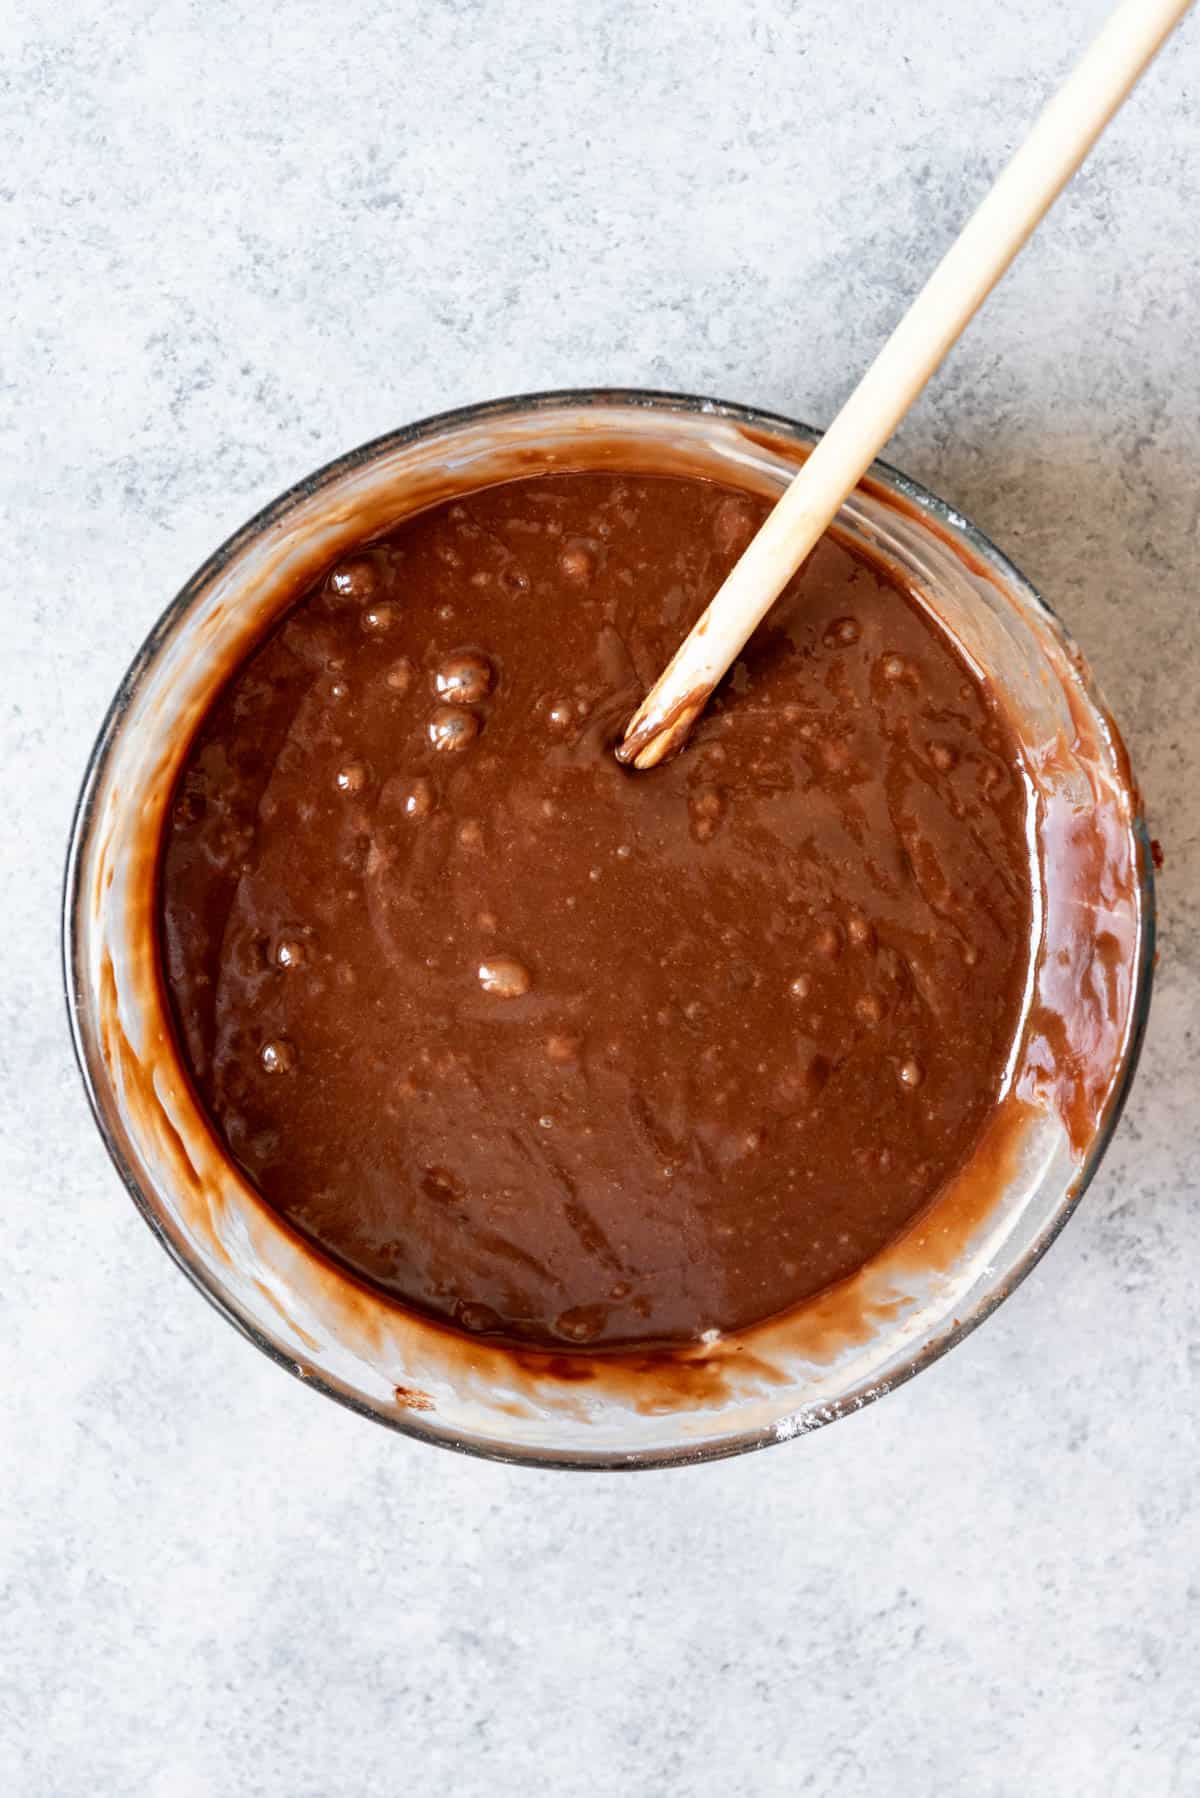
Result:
pixel 238 239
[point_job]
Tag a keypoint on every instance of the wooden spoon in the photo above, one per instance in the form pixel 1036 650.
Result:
pixel 1041 168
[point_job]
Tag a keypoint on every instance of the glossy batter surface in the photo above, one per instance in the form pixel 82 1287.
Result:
pixel 564 1053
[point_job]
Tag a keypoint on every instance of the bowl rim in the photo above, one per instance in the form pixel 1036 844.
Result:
pixel 410 1424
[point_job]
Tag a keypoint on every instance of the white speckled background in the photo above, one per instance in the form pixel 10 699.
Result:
pixel 235 240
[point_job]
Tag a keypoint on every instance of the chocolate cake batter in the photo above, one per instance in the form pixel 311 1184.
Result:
pixel 562 1053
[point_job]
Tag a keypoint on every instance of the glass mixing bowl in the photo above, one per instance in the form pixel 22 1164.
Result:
pixel 1085 1005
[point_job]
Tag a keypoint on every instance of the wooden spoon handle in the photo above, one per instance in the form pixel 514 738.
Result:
pixel 1060 139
